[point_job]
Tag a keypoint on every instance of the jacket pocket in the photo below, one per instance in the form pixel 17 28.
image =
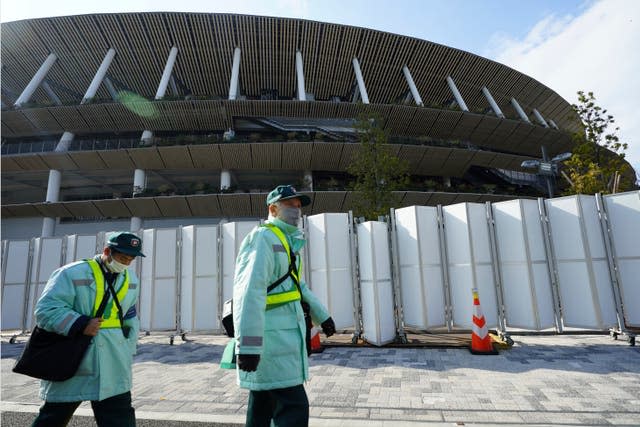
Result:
pixel 88 365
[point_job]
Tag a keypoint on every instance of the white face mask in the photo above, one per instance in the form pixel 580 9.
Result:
pixel 115 266
pixel 290 215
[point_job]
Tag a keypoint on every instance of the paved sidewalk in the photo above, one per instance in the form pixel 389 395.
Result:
pixel 542 380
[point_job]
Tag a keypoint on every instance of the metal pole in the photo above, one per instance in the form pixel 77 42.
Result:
pixel 444 262
pixel 551 263
pixel 355 280
pixel 495 266
pixel 547 178
pixel 611 260
pixel 395 276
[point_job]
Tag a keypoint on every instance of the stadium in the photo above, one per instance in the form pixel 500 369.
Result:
pixel 114 121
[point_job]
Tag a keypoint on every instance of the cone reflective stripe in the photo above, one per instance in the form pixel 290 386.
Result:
pixel 479 324
pixel 480 339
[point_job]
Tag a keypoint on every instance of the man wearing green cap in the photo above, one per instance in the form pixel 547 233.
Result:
pixel 269 318
pixel 67 306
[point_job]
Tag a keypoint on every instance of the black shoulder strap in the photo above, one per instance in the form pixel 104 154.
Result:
pixel 292 266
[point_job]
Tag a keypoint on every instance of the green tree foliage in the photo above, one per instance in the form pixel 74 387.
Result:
pixel 377 171
pixel 597 164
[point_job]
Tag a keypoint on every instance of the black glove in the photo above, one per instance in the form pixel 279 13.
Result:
pixel 328 327
pixel 248 362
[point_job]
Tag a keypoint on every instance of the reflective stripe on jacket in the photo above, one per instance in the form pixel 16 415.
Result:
pixel 105 370
pixel 276 334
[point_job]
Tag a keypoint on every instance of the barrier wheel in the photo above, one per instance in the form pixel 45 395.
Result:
pixel 632 340
pixel 147 333
pixel 354 339
pixel 614 335
pixel 509 341
pixel 183 337
pixel 12 340
pixel 171 340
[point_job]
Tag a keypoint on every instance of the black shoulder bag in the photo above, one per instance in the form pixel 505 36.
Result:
pixel 54 357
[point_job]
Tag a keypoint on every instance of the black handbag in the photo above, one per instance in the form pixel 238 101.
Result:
pixel 54 357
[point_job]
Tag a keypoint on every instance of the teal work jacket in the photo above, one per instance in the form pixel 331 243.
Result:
pixel 276 334
pixel 105 370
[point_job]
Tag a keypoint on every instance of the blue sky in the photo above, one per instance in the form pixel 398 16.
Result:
pixel 569 45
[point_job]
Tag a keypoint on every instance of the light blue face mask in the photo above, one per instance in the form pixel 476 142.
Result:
pixel 289 215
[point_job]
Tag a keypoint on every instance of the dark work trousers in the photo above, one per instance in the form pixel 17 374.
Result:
pixel 115 411
pixel 288 407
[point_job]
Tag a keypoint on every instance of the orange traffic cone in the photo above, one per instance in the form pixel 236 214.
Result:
pixel 316 347
pixel 480 339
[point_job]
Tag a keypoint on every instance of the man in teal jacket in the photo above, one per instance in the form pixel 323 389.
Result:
pixel 269 320
pixel 67 307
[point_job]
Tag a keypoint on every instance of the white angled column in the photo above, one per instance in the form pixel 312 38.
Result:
pixel 412 86
pixel 519 110
pixel 225 179
pixel 111 88
pixel 456 94
pixel 553 124
pixel 539 118
pixel 302 94
pixel 361 87
pixel 53 195
pixel 50 93
pixel 147 135
pixel 492 102
pixel 139 181
pixel 99 76
pixel 36 80
pixel 308 179
pixel 139 175
pixel 235 75
pixel 67 137
pixel 166 74
pixel 65 141
pixel 136 224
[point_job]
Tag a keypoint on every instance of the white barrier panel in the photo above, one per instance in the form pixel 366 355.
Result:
pixel 526 284
pixel 15 272
pixel 200 280
pixel 469 259
pixel 80 247
pixel 624 218
pixel 421 279
pixel 330 266
pixel 47 257
pixel 376 289
pixel 159 280
pixel 232 235
pixel 586 292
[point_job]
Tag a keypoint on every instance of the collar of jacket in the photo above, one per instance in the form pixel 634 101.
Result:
pixel 293 233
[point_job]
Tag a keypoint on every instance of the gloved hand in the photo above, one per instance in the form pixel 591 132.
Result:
pixel 328 327
pixel 248 362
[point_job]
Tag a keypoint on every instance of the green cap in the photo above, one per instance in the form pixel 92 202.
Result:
pixel 284 192
pixel 125 242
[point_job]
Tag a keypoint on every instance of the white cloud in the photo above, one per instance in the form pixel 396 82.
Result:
pixel 597 51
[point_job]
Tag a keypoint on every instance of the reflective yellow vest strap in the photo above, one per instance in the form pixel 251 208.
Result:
pixel 287 296
pixel 285 243
pixel 110 320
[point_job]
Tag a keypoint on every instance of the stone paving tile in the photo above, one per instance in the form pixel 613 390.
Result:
pixel 572 379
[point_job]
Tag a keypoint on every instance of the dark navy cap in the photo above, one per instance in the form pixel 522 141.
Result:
pixel 125 242
pixel 284 192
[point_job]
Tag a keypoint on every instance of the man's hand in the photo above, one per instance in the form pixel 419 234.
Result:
pixel 248 362
pixel 93 327
pixel 328 327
